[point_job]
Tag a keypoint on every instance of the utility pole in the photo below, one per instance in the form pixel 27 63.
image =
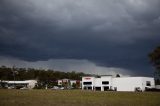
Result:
pixel 14 76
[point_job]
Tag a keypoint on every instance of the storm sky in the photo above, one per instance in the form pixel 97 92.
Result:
pixel 90 36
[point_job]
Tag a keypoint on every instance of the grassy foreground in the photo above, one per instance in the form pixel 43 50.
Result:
pixel 77 98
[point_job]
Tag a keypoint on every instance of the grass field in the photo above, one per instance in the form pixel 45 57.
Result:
pixel 77 98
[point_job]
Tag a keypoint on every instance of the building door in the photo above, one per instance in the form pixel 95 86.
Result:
pixel 89 88
pixel 98 88
pixel 106 88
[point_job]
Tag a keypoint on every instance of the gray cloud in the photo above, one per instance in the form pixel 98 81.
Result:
pixel 66 65
pixel 110 33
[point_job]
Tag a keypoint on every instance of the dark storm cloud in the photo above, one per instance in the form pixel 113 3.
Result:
pixel 109 32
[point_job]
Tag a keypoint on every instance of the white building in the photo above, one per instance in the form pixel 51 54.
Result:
pixel 68 82
pixel 27 83
pixel 63 82
pixel 72 82
pixel 157 86
pixel 107 82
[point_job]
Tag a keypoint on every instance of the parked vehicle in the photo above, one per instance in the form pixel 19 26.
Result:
pixel 24 88
pixel 11 87
pixel 62 88
pixel 55 88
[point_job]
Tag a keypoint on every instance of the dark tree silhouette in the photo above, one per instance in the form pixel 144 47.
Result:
pixel 155 59
pixel 118 75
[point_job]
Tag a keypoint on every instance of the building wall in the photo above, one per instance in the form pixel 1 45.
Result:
pixel 108 79
pixel 88 79
pixel 72 82
pixel 127 84
pixel 98 82
pixel 145 79
pixel 59 82
pixel 131 83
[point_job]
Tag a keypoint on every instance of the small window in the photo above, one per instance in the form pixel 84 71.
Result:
pixel 87 83
pixel 105 82
pixel 148 83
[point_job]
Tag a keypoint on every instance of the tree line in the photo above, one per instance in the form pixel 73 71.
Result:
pixel 43 77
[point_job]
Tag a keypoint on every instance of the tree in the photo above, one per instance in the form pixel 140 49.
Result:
pixel 118 75
pixel 155 59
pixel 74 85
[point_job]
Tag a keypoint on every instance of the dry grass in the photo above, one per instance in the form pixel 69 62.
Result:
pixel 77 98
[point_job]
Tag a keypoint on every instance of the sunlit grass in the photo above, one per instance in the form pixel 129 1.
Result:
pixel 77 98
